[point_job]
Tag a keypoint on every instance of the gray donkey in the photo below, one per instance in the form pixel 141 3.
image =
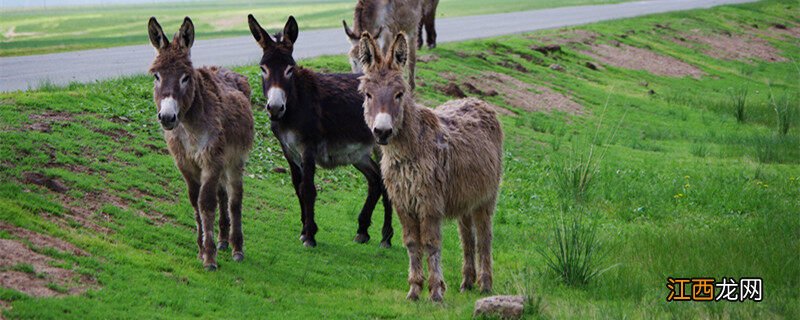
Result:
pixel 383 19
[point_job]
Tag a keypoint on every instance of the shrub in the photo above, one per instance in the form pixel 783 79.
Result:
pixel 786 111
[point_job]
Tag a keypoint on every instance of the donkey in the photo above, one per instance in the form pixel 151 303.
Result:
pixel 375 17
pixel 436 164
pixel 312 115
pixel 428 21
pixel 208 126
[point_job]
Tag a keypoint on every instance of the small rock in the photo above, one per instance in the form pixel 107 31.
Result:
pixel 644 83
pixel 505 307
pixel 651 92
pixel 556 67
pixel 279 170
pixel 591 65
pixel 779 26
pixel 491 93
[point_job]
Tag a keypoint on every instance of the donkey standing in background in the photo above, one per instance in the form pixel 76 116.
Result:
pixel 428 21
pixel 383 19
pixel 208 126
pixel 437 164
pixel 318 119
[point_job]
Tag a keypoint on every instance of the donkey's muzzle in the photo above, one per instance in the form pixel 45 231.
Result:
pixel 168 121
pixel 276 111
pixel 382 135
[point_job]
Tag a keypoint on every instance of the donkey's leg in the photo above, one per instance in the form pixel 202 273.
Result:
pixel 370 171
pixel 309 195
pixel 297 178
pixel 387 232
pixel 430 28
pixel 465 230
pixel 208 205
pixel 235 193
pixel 413 243
pixel 412 61
pixel 224 220
pixel 431 233
pixel 483 227
pixel 419 33
pixel 194 192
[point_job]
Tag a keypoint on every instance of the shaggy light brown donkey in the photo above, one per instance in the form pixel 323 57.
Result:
pixel 208 126
pixel 437 164
pixel 384 19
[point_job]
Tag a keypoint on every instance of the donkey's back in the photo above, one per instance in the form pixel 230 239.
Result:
pixel 475 140
pixel 229 80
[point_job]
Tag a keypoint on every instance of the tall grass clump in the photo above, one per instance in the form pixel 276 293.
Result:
pixel 575 174
pixel 575 253
pixel 739 101
pixel 786 111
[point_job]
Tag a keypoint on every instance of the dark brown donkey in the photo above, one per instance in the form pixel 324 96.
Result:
pixel 208 126
pixel 318 120
pixel 428 21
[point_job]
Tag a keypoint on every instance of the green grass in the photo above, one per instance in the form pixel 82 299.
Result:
pixel 661 204
pixel 61 29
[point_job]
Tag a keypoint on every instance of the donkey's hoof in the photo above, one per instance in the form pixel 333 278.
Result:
pixel 222 246
pixel 238 256
pixel 211 267
pixel 386 244
pixel 431 46
pixel 361 238
pixel 302 238
pixel 437 296
pixel 413 293
pixel 310 243
pixel 466 286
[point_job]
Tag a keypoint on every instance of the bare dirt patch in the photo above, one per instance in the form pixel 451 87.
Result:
pixel 45 280
pixel 39 179
pixel 565 37
pixel 628 57
pixel 114 134
pixel 520 94
pixel 43 122
pixel 729 46
pixel 41 240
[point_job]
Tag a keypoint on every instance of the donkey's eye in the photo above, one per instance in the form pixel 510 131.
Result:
pixel 264 71
pixel 184 79
pixel 369 96
pixel 158 78
pixel 398 96
pixel 289 71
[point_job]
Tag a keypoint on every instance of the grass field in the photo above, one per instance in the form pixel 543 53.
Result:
pixel 38 31
pixel 678 186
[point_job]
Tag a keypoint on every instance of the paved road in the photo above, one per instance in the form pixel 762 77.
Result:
pixel 22 73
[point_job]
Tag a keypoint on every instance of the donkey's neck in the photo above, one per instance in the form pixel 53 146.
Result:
pixel 197 119
pixel 409 141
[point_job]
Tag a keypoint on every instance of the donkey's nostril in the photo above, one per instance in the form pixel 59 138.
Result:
pixel 173 118
pixel 382 133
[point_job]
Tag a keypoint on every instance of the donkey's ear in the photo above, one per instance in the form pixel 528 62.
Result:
pixel 349 32
pixel 185 36
pixel 259 33
pixel 290 30
pixel 369 55
pixel 399 50
pixel 157 37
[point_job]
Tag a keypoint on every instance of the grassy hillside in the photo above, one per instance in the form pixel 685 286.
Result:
pixel 678 185
pixel 57 29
